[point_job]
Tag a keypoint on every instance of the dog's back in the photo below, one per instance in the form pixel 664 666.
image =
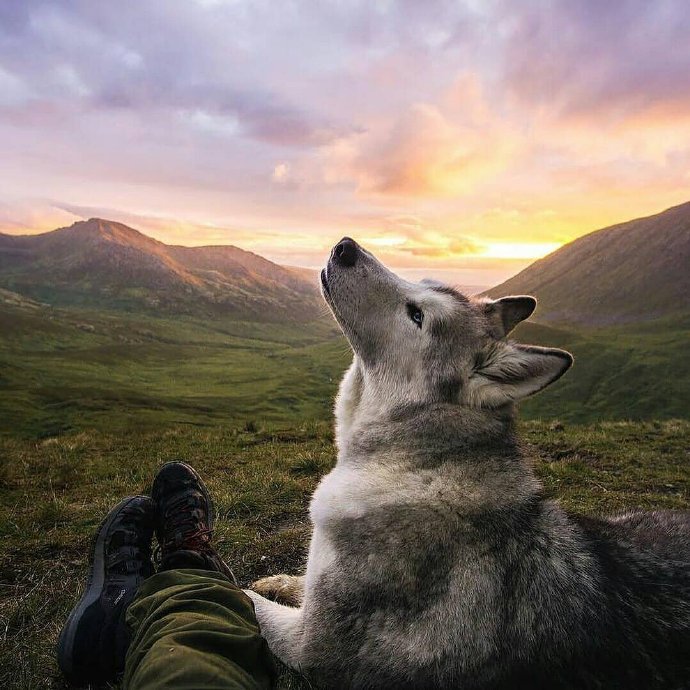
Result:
pixel 644 564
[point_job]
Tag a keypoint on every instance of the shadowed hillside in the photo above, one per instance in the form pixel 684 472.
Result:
pixel 106 264
pixel 618 299
pixel 638 371
pixel 627 273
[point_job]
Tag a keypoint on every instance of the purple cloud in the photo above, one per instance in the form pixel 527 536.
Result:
pixel 589 58
pixel 85 57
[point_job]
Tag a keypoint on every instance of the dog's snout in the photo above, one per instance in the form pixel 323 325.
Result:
pixel 345 252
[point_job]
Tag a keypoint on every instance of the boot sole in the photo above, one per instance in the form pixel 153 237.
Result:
pixel 94 588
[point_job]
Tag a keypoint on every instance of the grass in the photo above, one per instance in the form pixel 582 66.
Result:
pixel 634 372
pixel 63 370
pixel 56 490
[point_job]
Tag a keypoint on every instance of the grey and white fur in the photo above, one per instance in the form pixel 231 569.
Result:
pixel 435 560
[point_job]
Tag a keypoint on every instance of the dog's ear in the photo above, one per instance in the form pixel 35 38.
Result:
pixel 507 312
pixel 507 371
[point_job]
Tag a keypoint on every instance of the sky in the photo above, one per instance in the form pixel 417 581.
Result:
pixel 458 139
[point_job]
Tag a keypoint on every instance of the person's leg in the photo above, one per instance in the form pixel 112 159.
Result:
pixel 195 630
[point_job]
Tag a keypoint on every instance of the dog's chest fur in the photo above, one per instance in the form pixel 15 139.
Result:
pixel 412 559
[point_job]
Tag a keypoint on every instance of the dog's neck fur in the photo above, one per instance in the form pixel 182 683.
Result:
pixel 370 422
pixel 392 452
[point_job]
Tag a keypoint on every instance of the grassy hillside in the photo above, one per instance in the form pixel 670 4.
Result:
pixel 632 372
pixel 70 370
pixel 92 402
pixel 54 493
pixel 100 263
pixel 62 370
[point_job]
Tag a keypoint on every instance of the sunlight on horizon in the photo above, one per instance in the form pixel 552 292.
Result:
pixel 518 250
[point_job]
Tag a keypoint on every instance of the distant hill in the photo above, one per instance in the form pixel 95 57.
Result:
pixel 628 273
pixel 106 264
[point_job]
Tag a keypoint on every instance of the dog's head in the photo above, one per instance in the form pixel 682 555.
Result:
pixel 424 343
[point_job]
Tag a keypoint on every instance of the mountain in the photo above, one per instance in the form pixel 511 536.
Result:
pixel 627 273
pixel 106 264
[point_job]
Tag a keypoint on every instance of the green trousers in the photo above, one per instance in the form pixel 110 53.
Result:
pixel 194 630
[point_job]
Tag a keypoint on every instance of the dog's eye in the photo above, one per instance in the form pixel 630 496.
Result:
pixel 415 313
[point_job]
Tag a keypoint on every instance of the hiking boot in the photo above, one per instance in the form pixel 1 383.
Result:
pixel 94 641
pixel 184 521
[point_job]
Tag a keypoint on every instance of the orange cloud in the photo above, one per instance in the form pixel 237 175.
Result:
pixel 430 150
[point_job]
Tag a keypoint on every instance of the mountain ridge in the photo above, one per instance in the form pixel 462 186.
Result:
pixel 108 264
pixel 629 272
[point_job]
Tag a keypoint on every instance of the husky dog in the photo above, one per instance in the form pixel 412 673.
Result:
pixel 435 560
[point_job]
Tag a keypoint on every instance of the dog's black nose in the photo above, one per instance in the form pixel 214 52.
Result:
pixel 345 252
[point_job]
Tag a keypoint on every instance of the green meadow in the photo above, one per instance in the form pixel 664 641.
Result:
pixel 65 370
pixel 633 372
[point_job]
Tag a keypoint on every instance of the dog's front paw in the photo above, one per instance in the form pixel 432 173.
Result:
pixel 284 589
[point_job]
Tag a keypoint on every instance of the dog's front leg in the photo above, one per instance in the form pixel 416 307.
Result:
pixel 281 626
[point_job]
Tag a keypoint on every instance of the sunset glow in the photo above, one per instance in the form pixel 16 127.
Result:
pixel 457 137
pixel 516 250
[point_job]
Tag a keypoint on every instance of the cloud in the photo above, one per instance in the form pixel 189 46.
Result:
pixel 610 61
pixel 431 150
pixel 33 215
pixel 281 173
pixel 415 124
pixel 13 91
pixel 423 154
pixel 456 247
pixel 90 58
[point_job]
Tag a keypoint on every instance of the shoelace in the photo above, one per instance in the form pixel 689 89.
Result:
pixel 125 553
pixel 185 524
